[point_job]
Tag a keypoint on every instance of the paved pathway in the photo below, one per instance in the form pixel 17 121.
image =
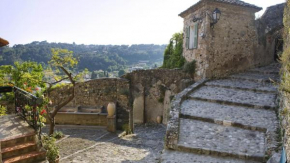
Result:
pixel 227 120
pixel 96 145
pixel 12 126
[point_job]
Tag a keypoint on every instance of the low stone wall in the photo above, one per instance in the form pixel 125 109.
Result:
pixel 153 90
pixel 171 138
pixel 94 119
pixel 98 93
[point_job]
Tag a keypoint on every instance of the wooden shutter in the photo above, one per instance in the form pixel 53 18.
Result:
pixel 187 30
pixel 195 35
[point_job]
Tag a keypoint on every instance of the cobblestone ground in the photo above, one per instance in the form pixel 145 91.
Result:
pixel 228 120
pixel 87 145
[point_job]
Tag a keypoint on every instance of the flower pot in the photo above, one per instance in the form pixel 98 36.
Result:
pixel 159 119
pixel 111 108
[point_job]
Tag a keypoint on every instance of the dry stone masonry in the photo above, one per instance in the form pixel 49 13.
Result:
pixel 228 120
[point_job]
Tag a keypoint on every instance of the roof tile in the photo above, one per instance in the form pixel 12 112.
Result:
pixel 233 2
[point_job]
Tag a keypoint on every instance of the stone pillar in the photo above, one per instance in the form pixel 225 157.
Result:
pixel 166 104
pixel 138 109
pixel 111 123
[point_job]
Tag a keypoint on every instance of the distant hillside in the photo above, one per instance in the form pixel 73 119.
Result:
pixel 93 57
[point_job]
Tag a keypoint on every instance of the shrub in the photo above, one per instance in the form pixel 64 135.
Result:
pixel 52 151
pixel 3 110
pixel 57 135
pixel 189 67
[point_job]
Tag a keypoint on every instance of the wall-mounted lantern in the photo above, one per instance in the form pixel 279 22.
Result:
pixel 216 14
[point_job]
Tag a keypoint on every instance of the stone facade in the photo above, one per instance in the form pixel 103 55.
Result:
pixel 227 47
pixel 153 90
pixel 236 42
pixel 98 93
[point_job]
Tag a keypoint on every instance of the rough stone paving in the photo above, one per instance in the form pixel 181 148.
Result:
pixel 96 145
pixel 226 120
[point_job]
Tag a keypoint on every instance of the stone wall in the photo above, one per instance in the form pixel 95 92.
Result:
pixel 153 90
pixel 228 46
pixel 231 41
pixel 90 119
pixel 199 54
pixel 284 116
pixel 236 42
pixel 99 92
pixel 269 28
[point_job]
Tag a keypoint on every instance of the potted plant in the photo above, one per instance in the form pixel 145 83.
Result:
pixel 52 151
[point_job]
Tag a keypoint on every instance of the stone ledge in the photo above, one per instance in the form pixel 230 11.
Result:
pixel 235 103
pixel 207 151
pixel 171 138
pixel 225 123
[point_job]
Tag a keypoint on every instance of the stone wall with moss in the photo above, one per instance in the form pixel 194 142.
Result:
pixel 284 109
pixel 98 93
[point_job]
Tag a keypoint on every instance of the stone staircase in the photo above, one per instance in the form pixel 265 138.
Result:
pixel 226 120
pixel 19 145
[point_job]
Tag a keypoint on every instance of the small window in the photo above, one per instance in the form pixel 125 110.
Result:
pixel 191 36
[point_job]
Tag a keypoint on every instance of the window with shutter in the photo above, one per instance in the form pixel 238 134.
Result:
pixel 195 35
pixel 192 36
pixel 187 37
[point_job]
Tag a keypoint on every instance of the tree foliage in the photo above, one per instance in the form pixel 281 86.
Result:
pixel 92 57
pixel 62 61
pixel 26 75
pixel 173 53
pixel 121 72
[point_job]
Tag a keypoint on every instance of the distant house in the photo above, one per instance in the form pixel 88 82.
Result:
pixel 221 35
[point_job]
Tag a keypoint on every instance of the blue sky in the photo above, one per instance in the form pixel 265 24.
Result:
pixel 96 21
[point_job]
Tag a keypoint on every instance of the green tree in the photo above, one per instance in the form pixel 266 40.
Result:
pixel 173 53
pixel 26 75
pixel 121 72
pixel 63 62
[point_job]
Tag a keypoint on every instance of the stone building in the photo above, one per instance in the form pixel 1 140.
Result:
pixel 225 42
pixel 270 30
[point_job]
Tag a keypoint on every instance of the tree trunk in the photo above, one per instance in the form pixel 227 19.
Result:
pixel 52 125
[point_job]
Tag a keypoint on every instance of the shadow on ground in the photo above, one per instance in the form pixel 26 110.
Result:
pixel 93 144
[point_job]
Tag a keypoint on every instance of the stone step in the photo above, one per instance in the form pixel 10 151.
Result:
pixel 243 84
pixel 235 97
pixel 213 139
pixel 18 150
pixel 32 157
pixel 270 69
pixel 257 77
pixel 185 157
pixel 238 116
pixel 12 141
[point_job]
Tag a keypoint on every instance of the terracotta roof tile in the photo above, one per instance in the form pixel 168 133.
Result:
pixel 233 2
